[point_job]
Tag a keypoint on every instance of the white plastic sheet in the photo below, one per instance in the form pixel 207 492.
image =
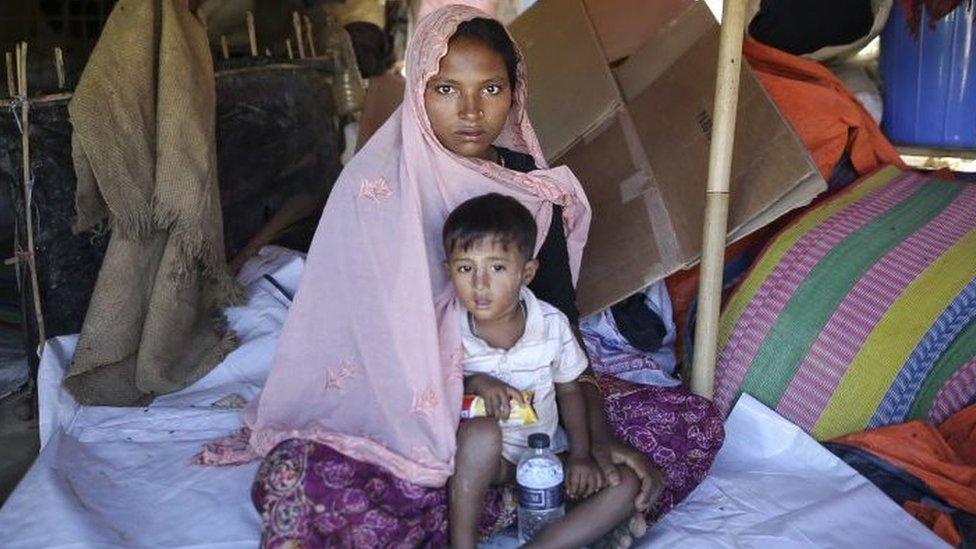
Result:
pixel 123 477
pixel 773 486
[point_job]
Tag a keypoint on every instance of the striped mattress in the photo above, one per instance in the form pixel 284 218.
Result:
pixel 863 312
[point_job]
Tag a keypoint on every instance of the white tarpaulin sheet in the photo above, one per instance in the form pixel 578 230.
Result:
pixel 773 486
pixel 123 477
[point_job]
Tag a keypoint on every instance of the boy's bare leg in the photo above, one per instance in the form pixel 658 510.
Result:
pixel 477 465
pixel 593 518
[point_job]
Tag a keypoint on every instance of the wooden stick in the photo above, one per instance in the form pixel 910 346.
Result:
pixel 252 38
pixel 310 38
pixel 38 99
pixel 59 66
pixel 717 197
pixel 296 24
pixel 28 187
pixel 224 46
pixel 291 53
pixel 11 89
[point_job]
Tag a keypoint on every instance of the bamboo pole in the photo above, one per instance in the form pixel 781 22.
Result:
pixel 309 37
pixel 296 24
pixel 224 46
pixel 291 53
pixel 717 197
pixel 28 186
pixel 59 66
pixel 11 87
pixel 252 38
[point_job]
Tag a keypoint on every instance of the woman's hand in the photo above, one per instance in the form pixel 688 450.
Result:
pixel 611 452
pixel 497 394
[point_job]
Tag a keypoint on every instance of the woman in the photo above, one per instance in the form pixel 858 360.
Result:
pixel 359 413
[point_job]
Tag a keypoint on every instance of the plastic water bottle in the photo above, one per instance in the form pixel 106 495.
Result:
pixel 540 488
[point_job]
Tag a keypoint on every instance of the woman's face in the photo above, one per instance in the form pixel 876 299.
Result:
pixel 469 98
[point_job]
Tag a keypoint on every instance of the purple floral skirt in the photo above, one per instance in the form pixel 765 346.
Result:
pixel 309 495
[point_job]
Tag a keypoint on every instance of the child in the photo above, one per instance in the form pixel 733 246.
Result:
pixel 514 342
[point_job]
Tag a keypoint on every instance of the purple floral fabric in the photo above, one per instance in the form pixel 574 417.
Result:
pixel 309 495
pixel 678 431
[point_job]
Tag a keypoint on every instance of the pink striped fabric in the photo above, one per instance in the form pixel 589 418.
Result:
pixel 857 314
pixel 774 292
pixel 954 394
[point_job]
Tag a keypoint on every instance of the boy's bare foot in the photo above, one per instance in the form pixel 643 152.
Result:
pixel 637 525
pixel 624 535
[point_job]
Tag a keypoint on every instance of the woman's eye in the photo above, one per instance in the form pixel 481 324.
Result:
pixel 444 89
pixel 498 268
pixel 493 89
pixel 464 269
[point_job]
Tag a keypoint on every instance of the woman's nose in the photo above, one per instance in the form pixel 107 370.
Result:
pixel 471 108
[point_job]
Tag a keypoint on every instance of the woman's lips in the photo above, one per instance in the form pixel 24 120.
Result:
pixel 471 135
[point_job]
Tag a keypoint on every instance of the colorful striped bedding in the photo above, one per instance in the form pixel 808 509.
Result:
pixel 863 312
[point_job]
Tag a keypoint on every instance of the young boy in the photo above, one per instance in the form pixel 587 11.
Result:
pixel 514 342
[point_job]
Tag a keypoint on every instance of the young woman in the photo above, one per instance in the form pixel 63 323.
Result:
pixel 358 416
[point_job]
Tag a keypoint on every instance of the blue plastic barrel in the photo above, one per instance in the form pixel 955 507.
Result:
pixel 930 82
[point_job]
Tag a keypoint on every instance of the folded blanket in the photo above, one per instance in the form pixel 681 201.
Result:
pixel 863 312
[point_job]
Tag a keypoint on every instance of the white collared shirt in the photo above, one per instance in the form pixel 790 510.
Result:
pixel 546 354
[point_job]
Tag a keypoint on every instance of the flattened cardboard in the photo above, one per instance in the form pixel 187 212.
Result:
pixel 675 108
pixel 624 25
pixel 638 139
pixel 563 58
pixel 664 48
pixel 616 252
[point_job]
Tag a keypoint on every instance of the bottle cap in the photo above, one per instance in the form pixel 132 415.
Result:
pixel 538 440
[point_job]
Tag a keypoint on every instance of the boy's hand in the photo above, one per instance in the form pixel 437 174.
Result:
pixel 497 394
pixel 583 478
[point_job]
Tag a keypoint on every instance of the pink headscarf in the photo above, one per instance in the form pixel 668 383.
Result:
pixel 429 6
pixel 368 361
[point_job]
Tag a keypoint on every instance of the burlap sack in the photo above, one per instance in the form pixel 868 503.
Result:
pixel 144 153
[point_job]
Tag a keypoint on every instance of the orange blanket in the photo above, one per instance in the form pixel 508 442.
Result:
pixel 825 114
pixel 942 457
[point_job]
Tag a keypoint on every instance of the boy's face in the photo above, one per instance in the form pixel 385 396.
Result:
pixel 487 278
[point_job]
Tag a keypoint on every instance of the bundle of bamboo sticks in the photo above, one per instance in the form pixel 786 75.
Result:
pixel 17 87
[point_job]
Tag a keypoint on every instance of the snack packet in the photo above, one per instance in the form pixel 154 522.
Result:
pixel 521 414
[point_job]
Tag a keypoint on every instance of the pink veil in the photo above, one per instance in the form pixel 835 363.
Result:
pixel 368 360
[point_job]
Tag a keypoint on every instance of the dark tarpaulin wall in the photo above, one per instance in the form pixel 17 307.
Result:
pixel 276 138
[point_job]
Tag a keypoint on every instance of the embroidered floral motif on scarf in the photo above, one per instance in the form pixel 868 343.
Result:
pixel 375 189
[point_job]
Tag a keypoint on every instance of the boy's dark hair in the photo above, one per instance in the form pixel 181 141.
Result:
pixel 495 216
pixel 493 35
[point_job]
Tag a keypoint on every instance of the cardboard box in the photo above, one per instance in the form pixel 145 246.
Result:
pixel 622 26
pixel 637 136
